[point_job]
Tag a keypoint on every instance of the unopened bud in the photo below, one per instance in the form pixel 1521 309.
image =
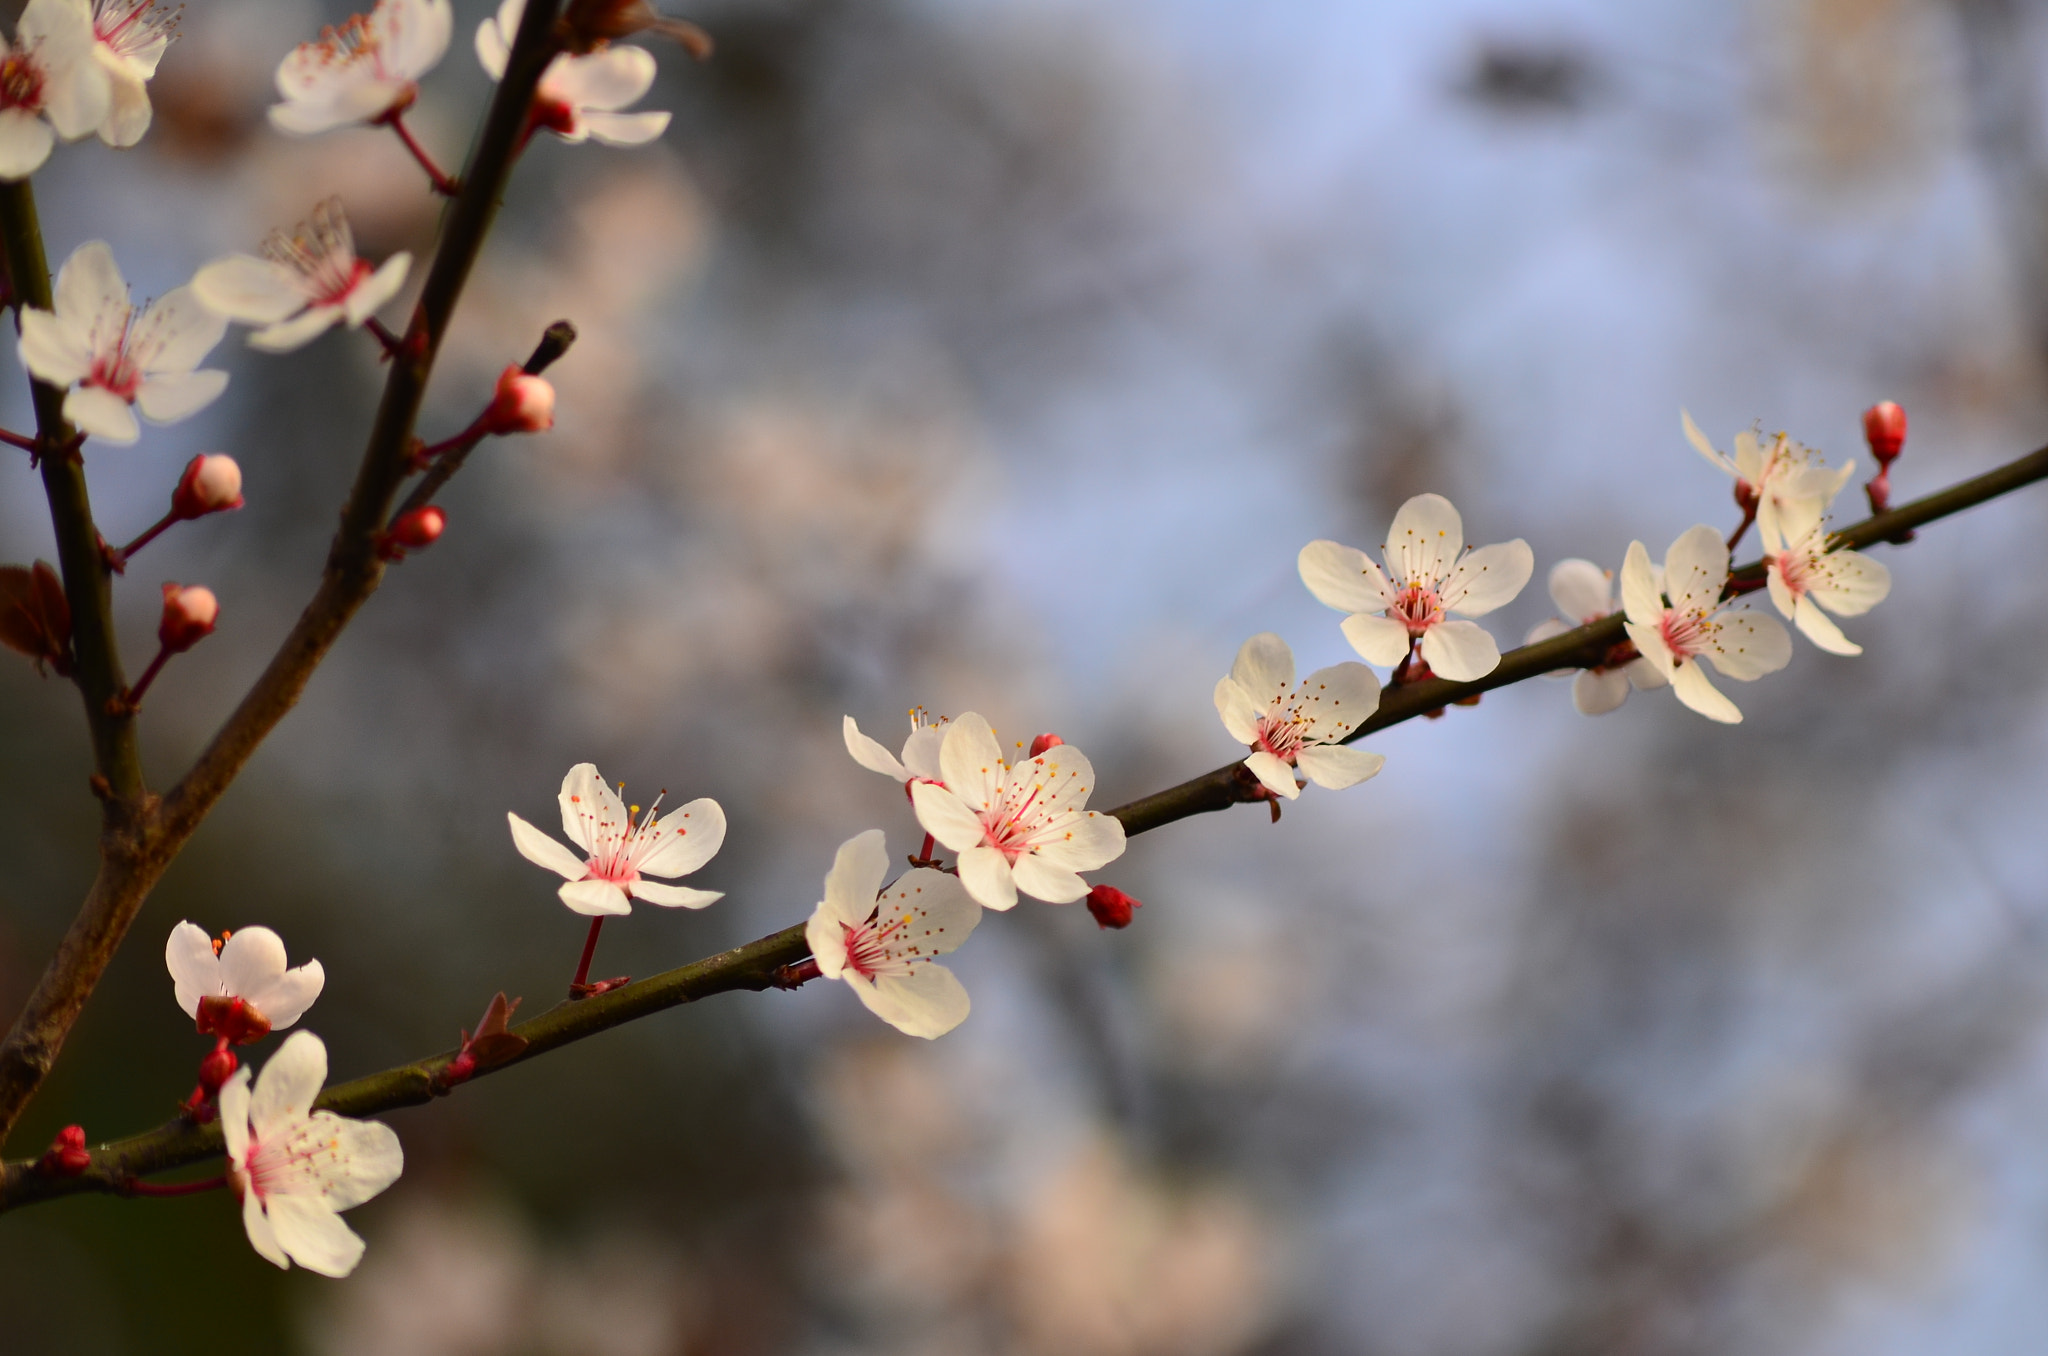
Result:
pixel 68 1155
pixel 217 1068
pixel 1044 742
pixel 189 614
pixel 211 484
pixel 1884 424
pixel 523 404
pixel 421 527
pixel 1111 907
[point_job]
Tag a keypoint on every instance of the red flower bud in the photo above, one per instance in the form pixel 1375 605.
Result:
pixel 189 614
pixel 421 527
pixel 211 484
pixel 1044 742
pixel 1111 907
pixel 523 403
pixel 231 1018
pixel 217 1068
pixel 68 1155
pixel 1884 424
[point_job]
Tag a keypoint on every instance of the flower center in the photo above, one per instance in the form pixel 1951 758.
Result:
pixel 1283 736
pixel 133 26
pixel 1687 633
pixel 873 948
pixel 1417 607
pixel 21 82
pixel 1796 569
pixel 617 849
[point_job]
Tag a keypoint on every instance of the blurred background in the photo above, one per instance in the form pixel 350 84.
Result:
pixel 999 355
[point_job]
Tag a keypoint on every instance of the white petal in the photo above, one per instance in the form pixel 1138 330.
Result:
pixel 855 879
pixel 251 290
pixel 366 1160
pixel 927 1002
pixel 690 836
pixel 52 350
pixel 177 332
pixel 493 49
pixel 623 129
pixel 1853 584
pixel 1337 700
pixel 973 762
pixel 313 1234
pixel 826 936
pixel 195 970
pixel 1460 651
pixel 128 112
pixel 604 80
pixel 1265 669
pixel 1641 597
pixel 1696 570
pixel 1489 577
pixel 594 898
pixel 1343 577
pixel 585 799
pixel 949 913
pixel 98 411
pixel 90 289
pixel 1595 694
pixel 1581 590
pixel 1081 842
pixel 1816 626
pixel 25 143
pixel 380 287
pixel 252 959
pixel 870 754
pixel 415 36
pixel 77 92
pixel 674 896
pixel 285 999
pixel 921 752
pixel 1273 774
pixel 288 336
pixel 173 396
pixel 1690 683
pixel 257 1225
pixel 1705 448
pixel 1336 767
pixel 1645 676
pixel 544 851
pixel 1378 640
pixel 946 817
pixel 1424 541
pixel 1781 593
pixel 986 875
pixel 1240 715
pixel 289 1082
pixel 1649 640
pixel 1748 645
pixel 233 1104
pixel 1040 879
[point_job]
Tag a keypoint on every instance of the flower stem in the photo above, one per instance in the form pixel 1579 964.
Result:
pixel 391 342
pixel 1748 517
pixel 132 698
pixel 443 184
pixel 20 440
pixel 120 557
pixel 589 950
pixel 136 1187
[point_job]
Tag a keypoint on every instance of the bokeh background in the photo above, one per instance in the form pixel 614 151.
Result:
pixel 999 355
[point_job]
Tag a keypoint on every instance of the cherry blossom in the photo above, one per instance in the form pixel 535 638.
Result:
pixel 920 759
pixel 882 942
pixel 1697 625
pixel 1806 575
pixel 623 851
pixel 365 71
pixel 1015 828
pixel 129 38
pixel 51 84
pixel 297 1169
pixel 306 282
pixel 113 356
pixel 1290 726
pixel 1584 593
pixel 1770 472
pixel 239 987
pixel 1429 576
pixel 579 96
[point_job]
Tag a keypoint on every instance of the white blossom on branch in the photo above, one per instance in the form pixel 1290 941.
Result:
pixel 129 38
pixel 306 282
pixel 883 942
pixel 1770 473
pixel 1289 725
pixel 1697 625
pixel 1807 574
pixel 51 84
pixel 920 759
pixel 1429 576
pixel 239 987
pixel 1584 593
pixel 622 850
pixel 364 71
pixel 579 96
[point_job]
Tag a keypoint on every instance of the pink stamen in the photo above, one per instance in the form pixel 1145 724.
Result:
pixel 1418 608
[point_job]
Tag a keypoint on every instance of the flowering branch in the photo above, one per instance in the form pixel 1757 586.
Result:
pixel 778 960
pixel 553 344
pixel 143 836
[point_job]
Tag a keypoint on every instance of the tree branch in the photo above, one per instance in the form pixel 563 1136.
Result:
pixel 754 965
pixel 132 862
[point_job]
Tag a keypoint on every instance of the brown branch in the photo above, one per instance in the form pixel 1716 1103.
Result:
pixel 760 965
pixel 133 859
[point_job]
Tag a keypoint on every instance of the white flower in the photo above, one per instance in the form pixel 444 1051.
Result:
pixel 1743 644
pixel 49 72
pixel 1806 575
pixel 1429 575
pixel 1015 828
pixel 296 1168
pixel 364 71
pixel 129 38
pixel 884 947
pixel 1289 726
pixel 622 851
pixel 920 752
pixel 305 283
pixel 211 977
pixel 112 357
pixel 1584 593
pixel 1770 476
pixel 579 96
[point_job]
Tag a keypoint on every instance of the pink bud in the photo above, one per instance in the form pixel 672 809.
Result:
pixel 188 618
pixel 211 484
pixel 1111 907
pixel 1884 424
pixel 68 1156
pixel 217 1068
pixel 421 527
pixel 1044 742
pixel 523 404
